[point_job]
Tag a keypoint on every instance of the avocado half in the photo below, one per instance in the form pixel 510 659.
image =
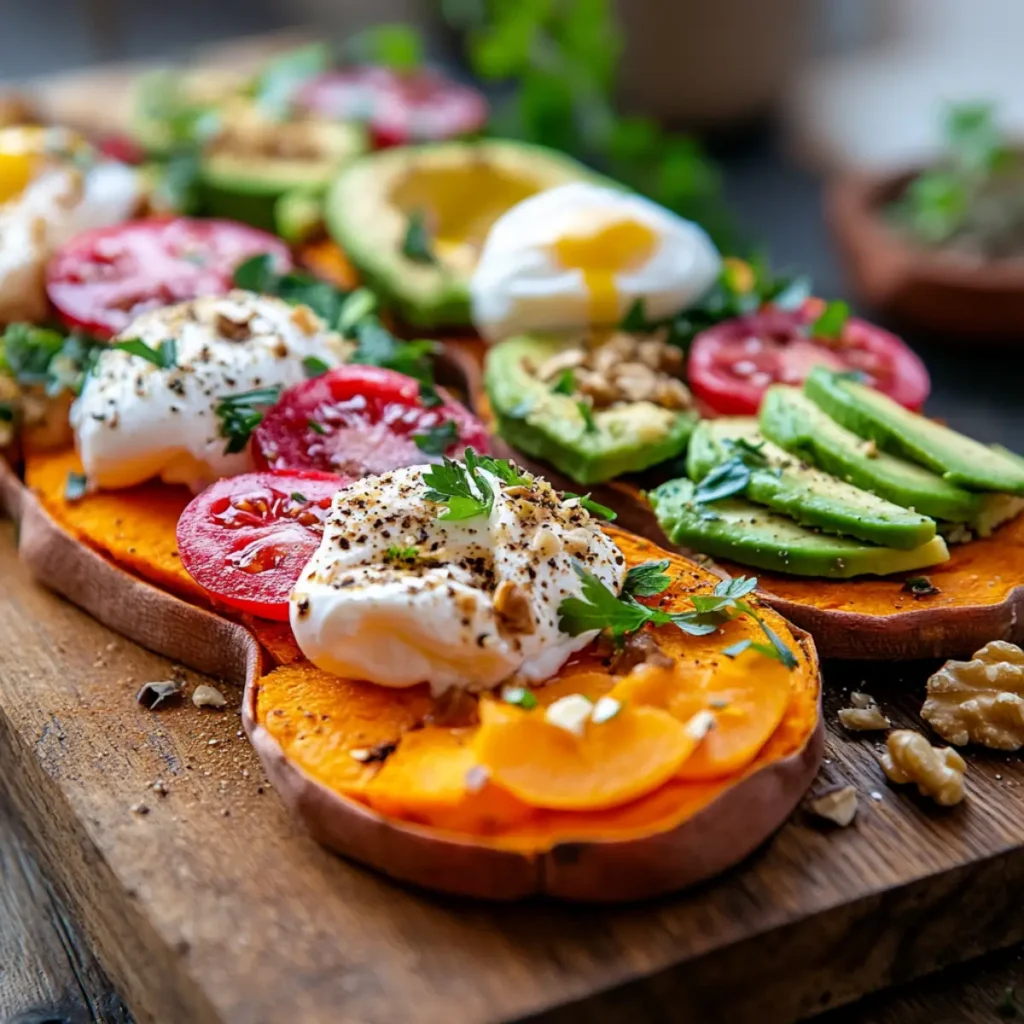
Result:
pixel 246 181
pixel 461 188
pixel 546 425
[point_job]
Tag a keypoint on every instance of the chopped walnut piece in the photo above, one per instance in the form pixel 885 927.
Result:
pixel 567 359
pixel 593 385
pixel 864 715
pixel 305 319
pixel 837 805
pixel 513 608
pixel 937 771
pixel 640 649
pixel 980 701
pixel 635 382
pixel 233 330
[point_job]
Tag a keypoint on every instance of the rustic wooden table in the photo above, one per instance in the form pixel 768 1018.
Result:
pixel 47 973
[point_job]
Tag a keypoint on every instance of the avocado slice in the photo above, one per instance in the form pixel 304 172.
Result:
pixel 792 421
pixel 808 495
pixel 459 189
pixel 743 532
pixel 546 425
pixel 874 416
pixel 253 162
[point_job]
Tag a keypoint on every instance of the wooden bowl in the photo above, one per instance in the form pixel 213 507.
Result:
pixel 940 291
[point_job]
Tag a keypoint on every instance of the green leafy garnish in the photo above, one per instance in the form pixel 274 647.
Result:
pixel 316 426
pixel 595 508
pixel 299 497
pixel 416 245
pixel 463 489
pixel 377 346
pixel 259 274
pixel 829 325
pixel 589 426
pixel 519 696
pixel 565 383
pixel 164 356
pixel 312 366
pixel 647 579
pixel 75 487
pixel 241 414
pixel 726 479
pixel 395 553
pixel 398 47
pixel 437 440
pixel 47 358
pixel 599 608
pixel 429 396
pixel 357 306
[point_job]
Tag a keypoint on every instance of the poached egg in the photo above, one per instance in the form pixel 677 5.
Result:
pixel 136 420
pixel 52 188
pixel 580 255
pixel 396 596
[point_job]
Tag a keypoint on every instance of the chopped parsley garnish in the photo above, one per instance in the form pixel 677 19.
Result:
pixel 589 425
pixel 241 414
pixel 75 487
pixel 377 346
pixel 647 579
pixel 417 243
pixel 464 489
pixel 599 608
pixel 919 586
pixel 565 383
pixel 316 427
pixel 520 696
pixel 733 475
pixel 314 367
pixel 595 508
pixel 164 356
pixel 429 396
pixel 829 325
pixel 357 306
pixel 299 497
pixel 437 440
pixel 400 554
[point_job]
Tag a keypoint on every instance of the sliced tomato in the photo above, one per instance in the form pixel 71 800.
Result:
pixel 398 109
pixel 101 280
pixel 247 538
pixel 361 420
pixel 733 363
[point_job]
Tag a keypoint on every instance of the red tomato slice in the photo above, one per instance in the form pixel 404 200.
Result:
pixel 101 280
pixel 733 363
pixel 247 538
pixel 398 109
pixel 359 420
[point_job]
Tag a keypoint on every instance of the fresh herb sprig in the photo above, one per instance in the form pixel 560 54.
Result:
pixel 595 508
pixel 241 414
pixel 463 489
pixel 617 616
pixel 417 244
pixel 437 440
pixel 164 356
pixel 732 476
pixel 46 357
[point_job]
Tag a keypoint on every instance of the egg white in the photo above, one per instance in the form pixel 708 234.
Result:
pixel 520 284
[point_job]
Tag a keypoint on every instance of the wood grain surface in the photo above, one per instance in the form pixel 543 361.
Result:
pixel 212 906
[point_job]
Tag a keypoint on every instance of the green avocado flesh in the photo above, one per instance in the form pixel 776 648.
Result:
pixel 246 186
pixel 550 427
pixel 739 530
pixel 872 415
pixel 804 493
pixel 458 189
pixel 792 421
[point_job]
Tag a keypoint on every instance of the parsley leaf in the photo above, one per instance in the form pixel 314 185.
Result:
pixel 400 554
pixel 416 245
pixel 316 426
pixel 164 356
pixel 377 346
pixel 299 497
pixel 47 357
pixel 589 426
pixel 736 649
pixel 437 440
pixel 357 306
pixel 241 414
pixel 726 479
pixel 599 609
pixel 565 383
pixel 647 579
pixel 829 325
pixel 595 508
pixel 312 366
pixel 259 274
pixel 520 696
pixel 461 487
pixel 429 396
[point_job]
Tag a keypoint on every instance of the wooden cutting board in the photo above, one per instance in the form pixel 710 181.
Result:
pixel 213 906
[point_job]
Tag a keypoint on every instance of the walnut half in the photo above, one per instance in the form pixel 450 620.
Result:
pixel 980 701
pixel 938 771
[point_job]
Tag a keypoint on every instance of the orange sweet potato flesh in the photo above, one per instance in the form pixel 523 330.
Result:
pixel 412 786
pixel 981 572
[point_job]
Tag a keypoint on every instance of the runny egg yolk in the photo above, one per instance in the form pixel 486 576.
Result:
pixel 600 251
pixel 16 171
